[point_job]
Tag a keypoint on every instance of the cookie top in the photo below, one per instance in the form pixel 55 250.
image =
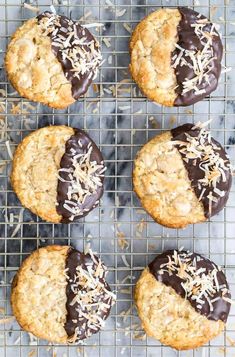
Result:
pixel 78 298
pixel 182 176
pixel 58 173
pixel 176 56
pixel 207 164
pixel 52 59
pixel 196 279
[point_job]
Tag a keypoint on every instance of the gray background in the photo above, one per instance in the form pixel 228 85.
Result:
pixel 120 125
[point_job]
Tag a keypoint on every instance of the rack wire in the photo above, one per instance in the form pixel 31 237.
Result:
pixel 120 120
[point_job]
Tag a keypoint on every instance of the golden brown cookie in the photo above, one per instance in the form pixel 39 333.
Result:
pixel 52 59
pixel 182 299
pixel 176 56
pixel 61 295
pixel 58 173
pixel 182 176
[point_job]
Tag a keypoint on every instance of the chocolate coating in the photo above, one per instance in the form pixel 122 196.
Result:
pixel 190 41
pixel 221 307
pixel 73 148
pixel 195 173
pixel 79 84
pixel 75 312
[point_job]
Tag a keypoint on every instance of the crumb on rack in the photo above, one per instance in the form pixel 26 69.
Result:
pixel 31 7
pixel 122 242
pixel 154 123
pixel 7 319
pixel 127 27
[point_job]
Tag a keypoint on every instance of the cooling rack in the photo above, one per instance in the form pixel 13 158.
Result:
pixel 120 120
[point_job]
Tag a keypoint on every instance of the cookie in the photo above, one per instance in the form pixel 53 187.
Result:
pixel 182 299
pixel 58 173
pixel 52 59
pixel 61 295
pixel 182 176
pixel 176 56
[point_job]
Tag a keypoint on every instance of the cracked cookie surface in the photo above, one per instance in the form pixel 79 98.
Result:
pixel 34 70
pixel 38 296
pixel 151 46
pixel 35 168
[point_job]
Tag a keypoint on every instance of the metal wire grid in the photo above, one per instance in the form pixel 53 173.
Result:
pixel 120 120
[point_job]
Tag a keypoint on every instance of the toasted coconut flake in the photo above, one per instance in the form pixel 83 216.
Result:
pixel 32 353
pixel 139 336
pixel 17 341
pixel 9 149
pixel 226 70
pixel 198 283
pixel 84 178
pixel 200 61
pixel 20 221
pixel 53 10
pixel 2 93
pixel 202 149
pixel 230 301
pixel 122 242
pixel 84 55
pixel 231 341
pixel 127 27
pixel 85 16
pixel 31 7
pixel 120 13
pixel 140 226
pixel 7 319
pixel 128 277
pixel 91 299
pixel 125 291
pixel 154 122
pixel 106 41
pixel 94 24
pixel 124 107
pixel 125 261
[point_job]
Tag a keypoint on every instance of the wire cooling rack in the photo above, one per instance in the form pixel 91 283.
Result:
pixel 120 120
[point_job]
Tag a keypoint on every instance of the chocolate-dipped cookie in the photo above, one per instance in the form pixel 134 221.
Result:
pixel 52 59
pixel 176 56
pixel 58 173
pixel 182 299
pixel 73 285
pixel 182 176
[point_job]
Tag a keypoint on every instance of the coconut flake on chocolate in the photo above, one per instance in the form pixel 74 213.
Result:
pixel 89 298
pixel 195 278
pixel 207 165
pixel 197 57
pixel 76 49
pixel 80 178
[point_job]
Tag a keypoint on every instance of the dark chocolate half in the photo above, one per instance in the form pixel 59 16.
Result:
pixel 69 206
pixel 213 301
pixel 75 48
pixel 89 298
pixel 213 196
pixel 191 38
